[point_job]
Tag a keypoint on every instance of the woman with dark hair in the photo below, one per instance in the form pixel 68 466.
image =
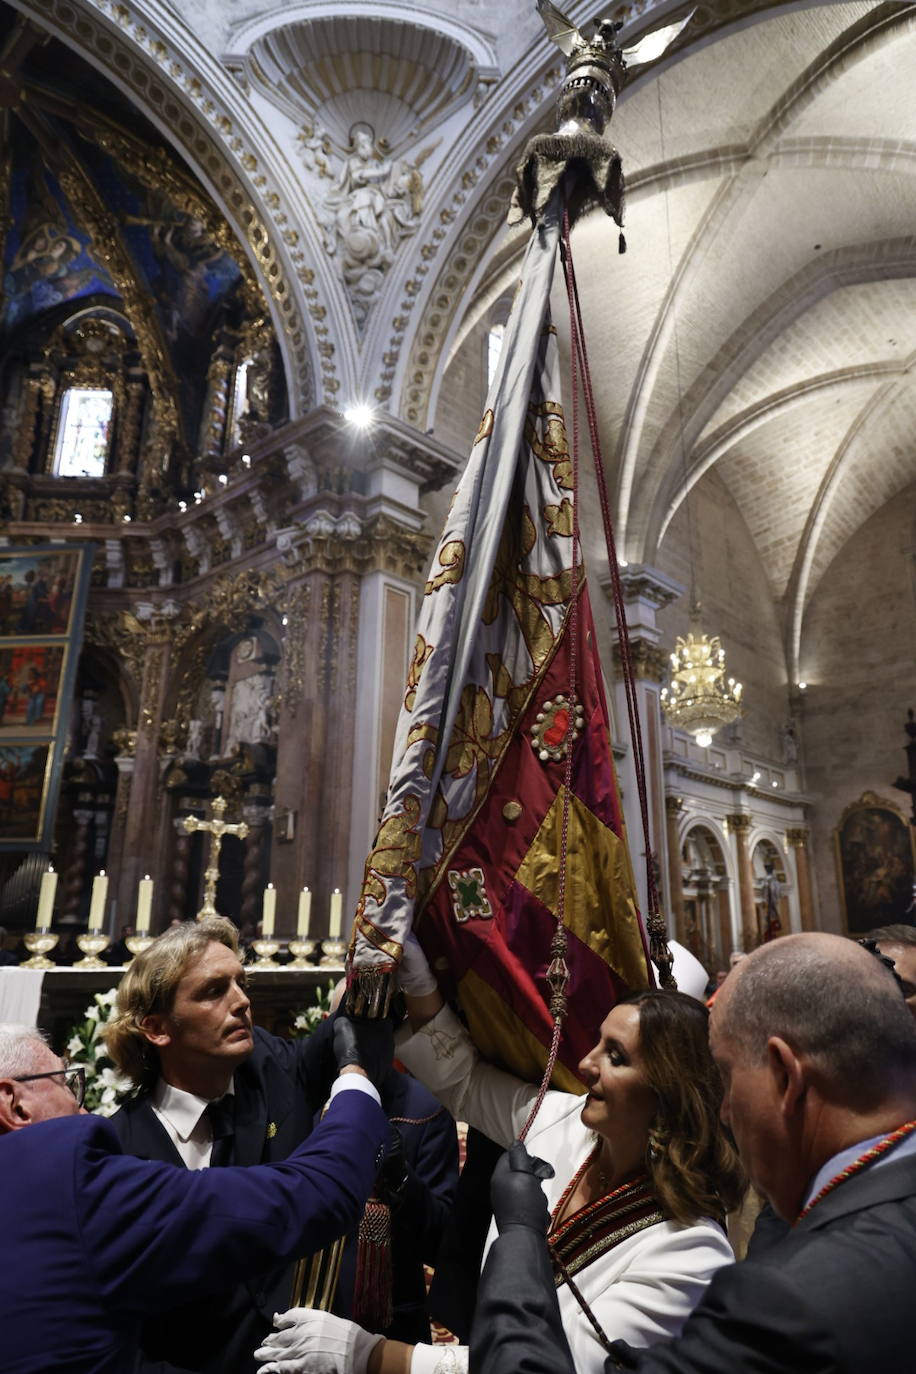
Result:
pixel 643 1175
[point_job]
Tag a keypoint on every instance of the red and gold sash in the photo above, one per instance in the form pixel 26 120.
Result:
pixel 599 1226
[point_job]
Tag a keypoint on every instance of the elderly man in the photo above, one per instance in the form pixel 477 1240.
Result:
pixel 213 1090
pixel 818 1058
pixel 93 1240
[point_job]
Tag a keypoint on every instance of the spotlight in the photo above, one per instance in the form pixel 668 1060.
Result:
pixel 223 479
pixel 359 416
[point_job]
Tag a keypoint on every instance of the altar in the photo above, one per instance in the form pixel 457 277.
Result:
pixel 63 994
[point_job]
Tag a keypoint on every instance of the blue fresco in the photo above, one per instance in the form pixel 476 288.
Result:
pixel 47 257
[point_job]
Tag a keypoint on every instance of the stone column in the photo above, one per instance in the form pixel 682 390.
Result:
pixel 181 868
pixel 798 839
pixel 75 877
pixel 645 591
pixel 673 808
pixel 143 850
pixel 252 882
pixel 740 826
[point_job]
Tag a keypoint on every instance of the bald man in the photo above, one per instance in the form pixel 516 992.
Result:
pixel 817 1051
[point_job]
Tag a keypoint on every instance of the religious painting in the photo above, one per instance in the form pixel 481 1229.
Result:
pixel 876 858
pixel 43 592
pixel 30 678
pixel 24 776
pixel 47 254
pixel 37 591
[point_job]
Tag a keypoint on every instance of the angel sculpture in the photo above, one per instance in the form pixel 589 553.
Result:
pixel 596 69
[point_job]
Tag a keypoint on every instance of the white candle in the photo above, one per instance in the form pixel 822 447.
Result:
pixel 46 900
pixel 144 904
pixel 269 912
pixel 336 914
pixel 97 904
pixel 305 911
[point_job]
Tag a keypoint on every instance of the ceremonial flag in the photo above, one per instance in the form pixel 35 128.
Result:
pixel 469 848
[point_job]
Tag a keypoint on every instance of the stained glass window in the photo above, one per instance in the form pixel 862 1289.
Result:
pixel 239 401
pixel 82 434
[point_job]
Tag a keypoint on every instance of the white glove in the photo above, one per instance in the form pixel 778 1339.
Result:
pixel 308 1342
pixel 415 977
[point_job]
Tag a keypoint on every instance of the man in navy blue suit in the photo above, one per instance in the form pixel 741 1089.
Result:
pixel 184 1036
pixel 93 1241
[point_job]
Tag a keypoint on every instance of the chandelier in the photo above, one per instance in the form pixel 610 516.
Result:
pixel 699 698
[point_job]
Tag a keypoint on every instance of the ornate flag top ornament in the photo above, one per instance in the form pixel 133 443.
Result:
pixel 488 678
pixel 596 70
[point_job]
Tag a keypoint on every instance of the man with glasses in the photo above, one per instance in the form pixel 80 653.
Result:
pixel 93 1241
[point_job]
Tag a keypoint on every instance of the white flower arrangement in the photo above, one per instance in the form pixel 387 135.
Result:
pixel 307 1020
pixel 105 1087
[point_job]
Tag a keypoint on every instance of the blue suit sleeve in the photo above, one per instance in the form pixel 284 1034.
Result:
pixel 155 1235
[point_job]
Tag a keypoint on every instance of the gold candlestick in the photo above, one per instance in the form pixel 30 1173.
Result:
pixel 137 944
pixel 265 950
pixel 92 946
pixel 301 950
pixel 39 943
pixel 332 954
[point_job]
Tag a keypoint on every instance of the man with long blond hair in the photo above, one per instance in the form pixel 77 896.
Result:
pixel 212 1089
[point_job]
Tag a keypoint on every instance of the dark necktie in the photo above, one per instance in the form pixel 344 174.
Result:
pixel 221 1116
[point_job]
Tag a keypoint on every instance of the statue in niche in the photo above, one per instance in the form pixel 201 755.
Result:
pixel 789 743
pixel 375 204
pixel 250 712
pixel 195 741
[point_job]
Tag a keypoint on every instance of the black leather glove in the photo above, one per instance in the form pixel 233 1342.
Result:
pixel 516 1193
pixel 392 1176
pixel 367 1043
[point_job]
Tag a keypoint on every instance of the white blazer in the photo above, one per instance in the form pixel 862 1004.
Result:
pixel 641 1291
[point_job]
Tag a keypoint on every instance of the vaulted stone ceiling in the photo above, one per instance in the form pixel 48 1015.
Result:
pixel 762 323
pixel 760 326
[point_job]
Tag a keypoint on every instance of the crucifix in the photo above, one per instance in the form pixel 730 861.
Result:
pixel 216 828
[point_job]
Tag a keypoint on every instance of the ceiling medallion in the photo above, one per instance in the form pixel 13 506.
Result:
pixel 551 734
pixel 699 698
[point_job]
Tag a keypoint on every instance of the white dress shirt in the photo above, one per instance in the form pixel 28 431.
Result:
pixel 182 1115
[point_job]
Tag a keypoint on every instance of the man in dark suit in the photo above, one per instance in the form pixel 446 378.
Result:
pixel 93 1240
pixel 818 1057
pixel 183 1035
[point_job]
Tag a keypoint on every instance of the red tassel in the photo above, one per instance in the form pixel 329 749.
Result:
pixel 372 1290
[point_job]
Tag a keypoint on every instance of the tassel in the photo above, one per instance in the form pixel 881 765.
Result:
pixel 622 243
pixel 374 1278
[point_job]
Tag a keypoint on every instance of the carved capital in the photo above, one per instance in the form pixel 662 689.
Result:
pixel 798 839
pixel 650 661
pixel 740 823
pixel 674 806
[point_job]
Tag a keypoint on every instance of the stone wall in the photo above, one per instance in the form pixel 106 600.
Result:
pixel 859 660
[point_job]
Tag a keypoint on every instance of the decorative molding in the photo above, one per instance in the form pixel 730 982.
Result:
pixel 137 58
pixel 650 661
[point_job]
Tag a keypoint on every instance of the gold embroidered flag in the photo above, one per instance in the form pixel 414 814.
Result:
pixel 469 847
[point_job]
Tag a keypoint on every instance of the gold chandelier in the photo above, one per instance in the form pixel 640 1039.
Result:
pixel 699 698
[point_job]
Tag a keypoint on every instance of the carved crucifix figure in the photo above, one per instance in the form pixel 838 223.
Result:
pixel 216 828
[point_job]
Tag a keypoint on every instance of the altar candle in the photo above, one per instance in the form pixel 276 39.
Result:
pixel 97 904
pixel 305 911
pixel 269 912
pixel 144 904
pixel 46 900
pixel 336 914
